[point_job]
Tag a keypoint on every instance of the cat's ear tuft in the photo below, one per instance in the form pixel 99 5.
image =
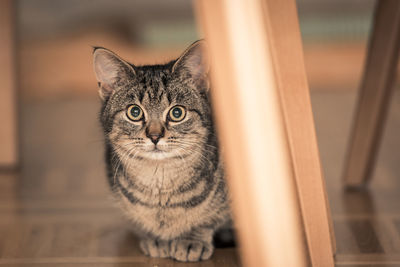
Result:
pixel 194 61
pixel 109 69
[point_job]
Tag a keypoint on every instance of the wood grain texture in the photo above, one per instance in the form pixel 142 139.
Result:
pixel 287 51
pixel 375 94
pixel 253 137
pixel 8 118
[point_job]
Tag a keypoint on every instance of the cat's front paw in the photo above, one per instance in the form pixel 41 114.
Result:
pixel 190 250
pixel 155 248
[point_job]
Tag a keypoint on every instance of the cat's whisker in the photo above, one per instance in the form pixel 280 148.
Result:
pixel 200 155
pixel 201 147
pixel 116 171
pixel 202 158
pixel 129 156
pixel 195 142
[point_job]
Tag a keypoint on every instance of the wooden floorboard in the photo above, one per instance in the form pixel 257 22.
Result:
pixel 56 210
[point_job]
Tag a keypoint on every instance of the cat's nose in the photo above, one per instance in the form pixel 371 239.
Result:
pixel 155 138
pixel 154 132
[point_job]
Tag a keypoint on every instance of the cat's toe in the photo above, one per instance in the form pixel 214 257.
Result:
pixel 190 250
pixel 155 248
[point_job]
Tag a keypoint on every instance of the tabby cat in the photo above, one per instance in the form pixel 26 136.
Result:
pixel 163 163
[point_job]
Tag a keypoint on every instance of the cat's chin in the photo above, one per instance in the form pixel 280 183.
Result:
pixel 157 155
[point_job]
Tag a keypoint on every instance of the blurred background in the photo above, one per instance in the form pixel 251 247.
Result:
pixel 55 39
pixel 60 188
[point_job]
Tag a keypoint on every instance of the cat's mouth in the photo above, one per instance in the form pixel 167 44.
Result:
pixel 157 150
pixel 157 153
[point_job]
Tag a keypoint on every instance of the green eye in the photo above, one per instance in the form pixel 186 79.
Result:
pixel 177 113
pixel 134 113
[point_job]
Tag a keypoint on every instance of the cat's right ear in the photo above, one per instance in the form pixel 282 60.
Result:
pixel 109 69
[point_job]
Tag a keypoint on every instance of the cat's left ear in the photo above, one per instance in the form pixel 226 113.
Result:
pixel 195 62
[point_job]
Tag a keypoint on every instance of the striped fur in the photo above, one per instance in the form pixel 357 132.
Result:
pixel 177 198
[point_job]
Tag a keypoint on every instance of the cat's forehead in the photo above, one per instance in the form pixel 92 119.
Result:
pixel 159 88
pixel 151 87
pixel 155 100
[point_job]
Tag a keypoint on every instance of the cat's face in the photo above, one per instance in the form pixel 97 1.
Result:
pixel 155 112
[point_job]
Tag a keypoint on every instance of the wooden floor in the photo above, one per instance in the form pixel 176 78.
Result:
pixel 55 211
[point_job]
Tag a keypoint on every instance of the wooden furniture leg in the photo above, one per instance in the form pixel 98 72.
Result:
pixel 374 96
pixel 265 124
pixel 287 52
pixel 8 122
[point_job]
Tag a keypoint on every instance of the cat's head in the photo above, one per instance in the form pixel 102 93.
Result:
pixel 155 112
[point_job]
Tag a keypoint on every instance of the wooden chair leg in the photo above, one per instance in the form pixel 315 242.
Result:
pixel 287 51
pixel 266 128
pixel 8 132
pixel 374 96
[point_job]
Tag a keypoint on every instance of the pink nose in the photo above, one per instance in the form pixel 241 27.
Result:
pixel 155 138
pixel 155 131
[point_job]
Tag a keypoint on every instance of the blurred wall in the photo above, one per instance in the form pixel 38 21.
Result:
pixel 56 39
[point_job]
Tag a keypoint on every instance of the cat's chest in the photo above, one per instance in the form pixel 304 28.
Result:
pixel 159 218
pixel 155 179
pixel 165 213
pixel 157 199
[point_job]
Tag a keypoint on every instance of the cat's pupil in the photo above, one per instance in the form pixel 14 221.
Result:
pixel 177 112
pixel 135 112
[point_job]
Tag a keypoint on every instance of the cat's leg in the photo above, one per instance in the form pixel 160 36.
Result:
pixel 194 246
pixel 155 248
pixel 224 236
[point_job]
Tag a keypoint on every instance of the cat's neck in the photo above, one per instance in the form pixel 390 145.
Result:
pixel 156 175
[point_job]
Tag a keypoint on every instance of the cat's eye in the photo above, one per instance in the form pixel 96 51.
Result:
pixel 177 113
pixel 134 113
